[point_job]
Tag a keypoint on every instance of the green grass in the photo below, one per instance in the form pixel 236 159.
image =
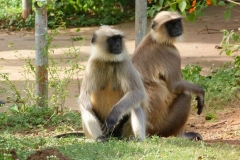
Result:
pixel 36 134
pixel 151 148
pixel 39 119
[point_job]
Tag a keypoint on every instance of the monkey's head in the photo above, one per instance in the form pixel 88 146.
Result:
pixel 167 27
pixel 108 45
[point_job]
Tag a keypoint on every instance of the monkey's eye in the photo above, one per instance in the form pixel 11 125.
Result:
pixel 118 40
pixel 153 24
pixel 110 41
pixel 171 24
pixel 174 23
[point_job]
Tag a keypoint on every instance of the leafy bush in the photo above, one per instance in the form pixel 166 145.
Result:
pixel 72 12
pixel 190 9
pixel 23 112
pixel 91 12
pixel 58 86
pixel 34 118
pixel 222 85
pixel 97 12
pixel 231 44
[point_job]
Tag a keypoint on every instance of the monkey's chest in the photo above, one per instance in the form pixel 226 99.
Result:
pixel 104 99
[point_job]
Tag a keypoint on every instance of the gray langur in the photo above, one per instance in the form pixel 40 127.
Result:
pixel 159 62
pixel 112 97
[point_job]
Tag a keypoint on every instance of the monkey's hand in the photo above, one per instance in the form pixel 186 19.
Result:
pixel 102 138
pixel 105 133
pixel 200 104
pixel 110 123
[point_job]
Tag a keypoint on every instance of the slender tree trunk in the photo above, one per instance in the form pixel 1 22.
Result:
pixel 140 20
pixel 41 39
pixel 26 8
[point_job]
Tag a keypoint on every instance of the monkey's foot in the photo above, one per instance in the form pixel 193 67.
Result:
pixel 2 102
pixel 193 136
pixel 102 138
pixel 133 138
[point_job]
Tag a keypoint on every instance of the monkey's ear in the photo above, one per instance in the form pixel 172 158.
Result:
pixel 94 38
pixel 153 24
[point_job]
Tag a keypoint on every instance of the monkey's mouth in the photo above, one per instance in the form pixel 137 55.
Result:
pixel 176 34
pixel 119 51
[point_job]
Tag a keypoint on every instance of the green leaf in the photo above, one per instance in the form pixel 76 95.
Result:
pixel 221 3
pixel 160 3
pixel 13 109
pixel 182 6
pixel 214 2
pixel 191 17
pixel 228 52
pixel 236 48
pixel 227 15
pixel 184 14
pixel 235 37
pixel 173 7
pixel 210 116
pixel 200 12
pixel 151 12
pixel 225 32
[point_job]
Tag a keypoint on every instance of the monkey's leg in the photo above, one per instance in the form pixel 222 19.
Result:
pixel 91 125
pixel 177 118
pixel 138 122
pixel 191 136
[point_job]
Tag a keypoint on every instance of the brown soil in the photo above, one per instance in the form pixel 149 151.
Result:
pixel 197 47
pixel 38 155
pixel 43 154
pixel 12 154
pixel 225 128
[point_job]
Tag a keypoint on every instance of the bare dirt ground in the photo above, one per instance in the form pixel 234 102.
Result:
pixel 38 155
pixel 197 47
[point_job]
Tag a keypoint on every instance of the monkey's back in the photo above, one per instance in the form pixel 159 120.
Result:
pixel 155 62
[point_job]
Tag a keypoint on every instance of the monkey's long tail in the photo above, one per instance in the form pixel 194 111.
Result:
pixel 70 134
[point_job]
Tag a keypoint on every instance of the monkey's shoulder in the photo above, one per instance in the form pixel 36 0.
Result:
pixel 113 68
pixel 98 63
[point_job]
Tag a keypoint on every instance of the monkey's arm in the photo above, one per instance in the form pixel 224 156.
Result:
pixel 186 87
pixel 129 101
pixel 90 122
pixel 135 94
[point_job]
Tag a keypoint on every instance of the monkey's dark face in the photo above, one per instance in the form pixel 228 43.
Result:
pixel 115 44
pixel 174 27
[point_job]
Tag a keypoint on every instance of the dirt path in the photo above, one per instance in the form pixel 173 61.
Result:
pixel 197 47
pixel 225 129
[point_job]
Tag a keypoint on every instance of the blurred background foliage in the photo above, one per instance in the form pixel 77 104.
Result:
pixel 75 13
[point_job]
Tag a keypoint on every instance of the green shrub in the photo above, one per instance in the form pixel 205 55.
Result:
pixel 221 85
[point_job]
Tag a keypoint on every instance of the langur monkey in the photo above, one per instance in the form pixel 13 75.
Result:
pixel 112 97
pixel 158 61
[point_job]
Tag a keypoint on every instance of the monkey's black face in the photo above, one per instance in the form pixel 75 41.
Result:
pixel 115 44
pixel 174 27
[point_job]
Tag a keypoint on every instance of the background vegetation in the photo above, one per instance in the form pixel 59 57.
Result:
pixel 96 12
